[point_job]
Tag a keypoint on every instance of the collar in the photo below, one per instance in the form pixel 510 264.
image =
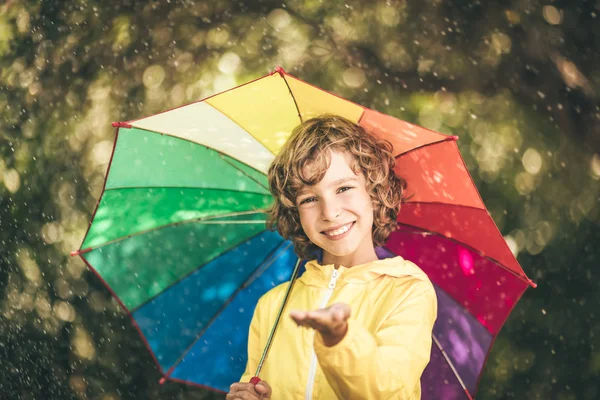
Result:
pixel 319 275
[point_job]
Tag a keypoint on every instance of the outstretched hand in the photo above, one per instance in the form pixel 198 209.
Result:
pixel 330 322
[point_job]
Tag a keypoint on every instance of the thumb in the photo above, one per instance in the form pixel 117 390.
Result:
pixel 341 311
pixel 263 388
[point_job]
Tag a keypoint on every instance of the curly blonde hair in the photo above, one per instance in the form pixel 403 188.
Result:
pixel 311 143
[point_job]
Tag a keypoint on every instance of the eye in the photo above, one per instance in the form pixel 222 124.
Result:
pixel 308 200
pixel 344 189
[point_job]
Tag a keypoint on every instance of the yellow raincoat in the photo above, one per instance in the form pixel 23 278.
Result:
pixel 384 352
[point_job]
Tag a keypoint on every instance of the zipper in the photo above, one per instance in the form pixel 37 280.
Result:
pixel 312 372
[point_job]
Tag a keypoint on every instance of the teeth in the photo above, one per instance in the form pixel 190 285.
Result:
pixel 339 231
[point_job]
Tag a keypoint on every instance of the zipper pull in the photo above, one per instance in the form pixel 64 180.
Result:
pixel 334 277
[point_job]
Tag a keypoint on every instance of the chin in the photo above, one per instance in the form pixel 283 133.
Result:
pixel 339 251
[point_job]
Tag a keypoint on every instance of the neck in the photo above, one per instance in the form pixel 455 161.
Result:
pixel 349 260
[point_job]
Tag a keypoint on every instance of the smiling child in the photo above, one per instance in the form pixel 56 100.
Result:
pixel 358 327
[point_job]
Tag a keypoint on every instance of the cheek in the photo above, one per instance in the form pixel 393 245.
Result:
pixel 304 220
pixel 367 202
pixel 369 208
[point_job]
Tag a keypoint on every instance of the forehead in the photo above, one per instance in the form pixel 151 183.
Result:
pixel 341 166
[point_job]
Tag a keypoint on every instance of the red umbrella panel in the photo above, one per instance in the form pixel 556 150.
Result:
pixel 446 230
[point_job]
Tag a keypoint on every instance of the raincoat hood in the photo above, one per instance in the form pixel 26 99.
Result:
pixel 319 275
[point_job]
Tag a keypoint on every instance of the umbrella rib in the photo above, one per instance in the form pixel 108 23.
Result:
pixel 293 97
pixel 198 268
pixel 242 128
pixel 112 154
pixel 187 221
pixel 186 187
pixel 446 139
pixel 244 172
pixel 439 203
pixel 327 92
pixel 270 259
pixel 498 263
pixel 447 358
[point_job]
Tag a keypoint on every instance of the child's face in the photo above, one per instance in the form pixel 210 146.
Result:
pixel 337 214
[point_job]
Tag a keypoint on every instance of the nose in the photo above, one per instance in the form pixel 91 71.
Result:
pixel 330 209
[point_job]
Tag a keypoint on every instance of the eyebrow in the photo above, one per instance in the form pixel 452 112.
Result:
pixel 334 183
pixel 343 180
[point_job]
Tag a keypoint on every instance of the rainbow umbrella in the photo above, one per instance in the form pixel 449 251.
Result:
pixel 178 235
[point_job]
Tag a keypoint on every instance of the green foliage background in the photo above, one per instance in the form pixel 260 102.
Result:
pixel 517 80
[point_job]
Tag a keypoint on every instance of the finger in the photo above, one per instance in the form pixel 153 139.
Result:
pixel 336 316
pixel 244 395
pixel 302 318
pixel 234 396
pixel 320 319
pixel 235 387
pixel 263 389
pixel 340 312
pixel 308 321
pixel 306 324
pixel 298 315
pixel 323 319
pixel 240 387
pixel 311 319
pixel 337 313
pixel 330 320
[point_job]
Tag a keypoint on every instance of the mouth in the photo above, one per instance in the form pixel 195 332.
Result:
pixel 339 231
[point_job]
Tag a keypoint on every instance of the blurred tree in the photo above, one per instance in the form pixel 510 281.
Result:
pixel 516 80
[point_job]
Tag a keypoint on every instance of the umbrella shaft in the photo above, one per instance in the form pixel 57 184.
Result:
pixel 279 314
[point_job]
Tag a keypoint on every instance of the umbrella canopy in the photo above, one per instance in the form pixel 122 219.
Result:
pixel 178 235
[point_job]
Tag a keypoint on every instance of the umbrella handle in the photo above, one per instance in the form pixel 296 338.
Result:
pixel 254 380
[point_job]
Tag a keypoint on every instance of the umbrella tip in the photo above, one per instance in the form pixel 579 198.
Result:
pixel 81 251
pixel 121 125
pixel 532 283
pixel 454 138
pixel 162 380
pixel 279 70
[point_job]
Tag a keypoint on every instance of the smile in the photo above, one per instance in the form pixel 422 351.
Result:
pixel 334 233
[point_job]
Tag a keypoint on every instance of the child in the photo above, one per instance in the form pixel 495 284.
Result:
pixel 369 334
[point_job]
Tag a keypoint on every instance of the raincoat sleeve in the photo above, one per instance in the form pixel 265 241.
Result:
pixel 389 363
pixel 254 347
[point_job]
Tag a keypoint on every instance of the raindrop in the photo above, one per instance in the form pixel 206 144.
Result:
pixel 153 76
pixel 12 180
pixel 532 161
pixel 354 77
pixel 279 19
pixel 595 166
pixel 229 63
pixel 552 15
